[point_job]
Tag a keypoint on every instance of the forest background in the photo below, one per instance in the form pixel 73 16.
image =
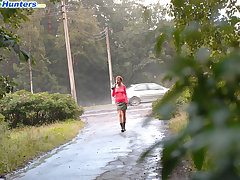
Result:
pixel 133 29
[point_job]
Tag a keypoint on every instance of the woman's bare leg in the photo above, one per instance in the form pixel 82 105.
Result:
pixel 121 120
pixel 124 115
pixel 120 116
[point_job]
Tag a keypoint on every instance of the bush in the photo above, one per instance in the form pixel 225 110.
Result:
pixel 180 100
pixel 3 127
pixel 25 108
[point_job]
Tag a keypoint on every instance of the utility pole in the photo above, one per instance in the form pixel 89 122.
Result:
pixel 69 57
pixel 30 74
pixel 29 63
pixel 109 62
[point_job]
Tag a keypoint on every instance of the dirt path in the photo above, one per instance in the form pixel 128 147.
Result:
pixel 101 151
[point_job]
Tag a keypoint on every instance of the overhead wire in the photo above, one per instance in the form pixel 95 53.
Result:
pixel 100 36
pixel 100 39
pixel 100 33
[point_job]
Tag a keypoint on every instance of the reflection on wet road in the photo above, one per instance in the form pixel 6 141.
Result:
pixel 101 151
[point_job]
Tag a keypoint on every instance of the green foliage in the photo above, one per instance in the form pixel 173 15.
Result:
pixel 129 24
pixel 9 22
pixel 132 58
pixel 175 98
pixel 207 64
pixel 11 42
pixel 6 86
pixel 174 106
pixel 24 108
pixel 3 125
pixel 185 98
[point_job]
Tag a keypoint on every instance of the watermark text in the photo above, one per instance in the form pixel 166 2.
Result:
pixel 21 4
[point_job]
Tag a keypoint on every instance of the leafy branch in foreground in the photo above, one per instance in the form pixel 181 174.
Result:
pixel 207 62
pixel 10 21
pixel 6 86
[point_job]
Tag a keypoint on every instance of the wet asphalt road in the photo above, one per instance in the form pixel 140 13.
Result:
pixel 101 151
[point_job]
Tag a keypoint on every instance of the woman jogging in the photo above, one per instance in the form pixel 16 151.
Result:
pixel 121 100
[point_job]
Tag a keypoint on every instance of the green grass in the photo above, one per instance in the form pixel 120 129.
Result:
pixel 19 146
pixel 178 123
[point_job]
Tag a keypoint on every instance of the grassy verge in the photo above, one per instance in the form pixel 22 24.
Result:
pixel 178 123
pixel 185 165
pixel 19 146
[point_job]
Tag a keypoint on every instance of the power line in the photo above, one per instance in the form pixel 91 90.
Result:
pixel 102 32
pixel 100 38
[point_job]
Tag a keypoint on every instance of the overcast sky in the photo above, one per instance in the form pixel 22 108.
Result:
pixel 162 2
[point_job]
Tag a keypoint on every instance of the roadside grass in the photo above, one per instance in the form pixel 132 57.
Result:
pixel 178 122
pixel 177 125
pixel 21 145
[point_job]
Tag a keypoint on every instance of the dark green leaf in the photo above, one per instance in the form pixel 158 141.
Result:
pixel 198 158
pixel 160 42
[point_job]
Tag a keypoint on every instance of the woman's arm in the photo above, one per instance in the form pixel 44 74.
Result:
pixel 113 92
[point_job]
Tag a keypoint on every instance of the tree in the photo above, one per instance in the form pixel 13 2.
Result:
pixel 11 20
pixel 88 54
pixel 33 41
pixel 130 25
pixel 206 63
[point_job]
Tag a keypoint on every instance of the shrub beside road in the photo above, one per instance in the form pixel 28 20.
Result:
pixel 31 124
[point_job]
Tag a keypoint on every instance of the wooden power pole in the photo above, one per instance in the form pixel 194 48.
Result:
pixel 69 57
pixel 30 74
pixel 109 62
pixel 29 63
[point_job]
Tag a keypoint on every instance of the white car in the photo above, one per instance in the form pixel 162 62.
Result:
pixel 144 92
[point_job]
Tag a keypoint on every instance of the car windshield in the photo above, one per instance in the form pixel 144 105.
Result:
pixel 155 87
pixel 140 87
pixel 129 87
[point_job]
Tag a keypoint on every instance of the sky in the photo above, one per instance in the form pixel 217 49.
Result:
pixel 148 2
pixel 162 2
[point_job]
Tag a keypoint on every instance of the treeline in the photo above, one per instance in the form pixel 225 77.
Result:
pixel 132 31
